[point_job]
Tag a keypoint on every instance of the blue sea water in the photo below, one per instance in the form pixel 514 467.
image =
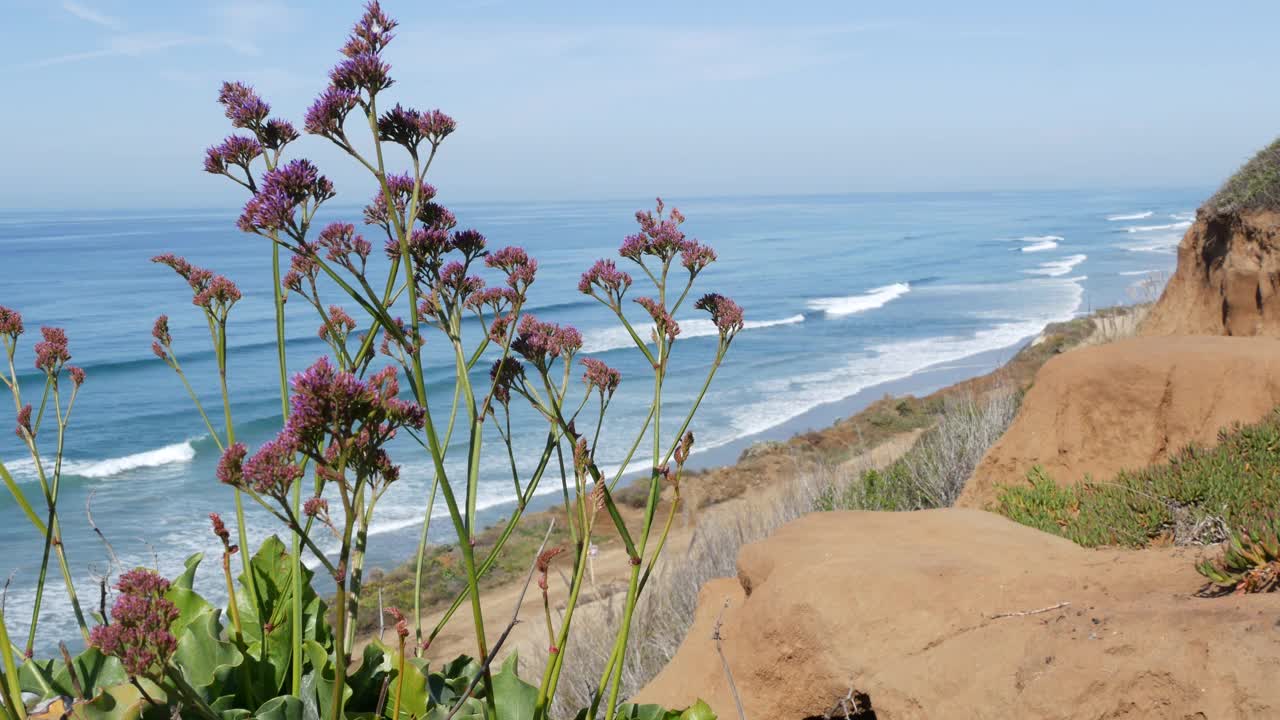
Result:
pixel 842 293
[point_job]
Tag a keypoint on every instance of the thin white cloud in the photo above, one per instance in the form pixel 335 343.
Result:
pixel 88 14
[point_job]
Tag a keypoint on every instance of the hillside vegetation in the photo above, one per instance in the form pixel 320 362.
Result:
pixel 1254 187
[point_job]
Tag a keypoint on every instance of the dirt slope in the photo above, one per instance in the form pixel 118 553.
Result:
pixel 1227 281
pixel 918 612
pixel 1098 410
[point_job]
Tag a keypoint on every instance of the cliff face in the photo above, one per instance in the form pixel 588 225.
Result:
pixel 1098 410
pixel 963 614
pixel 1227 281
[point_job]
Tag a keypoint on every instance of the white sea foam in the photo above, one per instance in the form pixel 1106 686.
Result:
pixel 1041 246
pixel 1163 245
pixel 1130 273
pixel 1183 215
pixel 1180 225
pixel 183 452
pixel 1131 216
pixel 598 341
pixel 1057 268
pixel 870 300
pixel 783 399
pixel 1041 238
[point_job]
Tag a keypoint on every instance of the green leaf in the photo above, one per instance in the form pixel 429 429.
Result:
pixel 698 711
pixel 202 654
pixel 317 685
pixel 285 707
pixel 514 698
pixel 645 712
pixel 120 702
pixel 272 651
pixel 190 604
pixel 94 670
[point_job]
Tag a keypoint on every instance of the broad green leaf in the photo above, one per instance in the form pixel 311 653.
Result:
pixel 190 604
pixel 645 712
pixel 514 698
pixel 413 696
pixel 120 702
pixel 285 707
pixel 317 685
pixel 698 711
pixel 202 653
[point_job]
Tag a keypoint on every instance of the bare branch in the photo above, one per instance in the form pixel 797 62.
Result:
pixel 715 635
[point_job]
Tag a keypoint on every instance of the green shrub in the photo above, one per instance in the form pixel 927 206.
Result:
pixel 1255 186
pixel 1236 484
pixel 1250 562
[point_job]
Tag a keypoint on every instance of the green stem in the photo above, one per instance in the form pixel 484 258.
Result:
pixel 12 687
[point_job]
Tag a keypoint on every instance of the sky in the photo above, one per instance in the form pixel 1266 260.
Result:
pixel 110 103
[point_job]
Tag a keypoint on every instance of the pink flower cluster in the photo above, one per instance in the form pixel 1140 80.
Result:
pixel 344 246
pixel 215 293
pixel 600 376
pixel 661 237
pixel 334 416
pixel 10 322
pixel 663 324
pixel 605 276
pixel 51 352
pixel 725 313
pixel 141 618
pixel 541 342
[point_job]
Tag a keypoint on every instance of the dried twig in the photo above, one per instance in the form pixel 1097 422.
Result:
pixel 515 618
pixel 1021 613
pixel 71 671
pixel 715 635
pixel 88 513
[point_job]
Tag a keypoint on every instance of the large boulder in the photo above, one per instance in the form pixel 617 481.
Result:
pixel 1227 281
pixel 963 614
pixel 1098 410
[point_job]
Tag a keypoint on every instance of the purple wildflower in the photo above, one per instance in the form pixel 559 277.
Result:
pixel 271 470
pixel 659 236
pixel 725 313
pixel 282 191
pixel 342 242
pixel 695 256
pixel 365 71
pixel 230 469
pixel 606 276
pixel 51 352
pixel 328 113
pixel 24 422
pixel 315 506
pixel 244 108
pixel 218 295
pixel 468 242
pixel 516 263
pixel 453 276
pixel 77 374
pixel 10 322
pixel 340 323
pixel 503 375
pixel 371 33
pixel 302 266
pixel 220 530
pixel 601 376
pixel 332 406
pixel 235 150
pixel 401 125
pixel 436 126
pixel 139 635
pixel 663 323
pixel 277 133
pixel 540 342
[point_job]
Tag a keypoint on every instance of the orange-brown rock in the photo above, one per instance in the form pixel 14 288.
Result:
pixel 1227 281
pixel 1125 405
pixel 962 614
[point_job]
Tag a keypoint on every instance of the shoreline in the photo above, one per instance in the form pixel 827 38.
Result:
pixel 396 547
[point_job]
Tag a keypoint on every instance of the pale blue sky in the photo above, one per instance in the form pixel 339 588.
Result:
pixel 111 102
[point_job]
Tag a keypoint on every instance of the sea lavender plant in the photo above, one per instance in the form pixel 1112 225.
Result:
pixel 279 655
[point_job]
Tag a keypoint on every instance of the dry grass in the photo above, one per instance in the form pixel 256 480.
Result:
pixel 1255 186
pixel 670 599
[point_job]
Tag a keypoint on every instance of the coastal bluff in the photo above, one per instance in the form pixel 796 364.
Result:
pixel 962 613
pixel 1095 411
pixel 1227 280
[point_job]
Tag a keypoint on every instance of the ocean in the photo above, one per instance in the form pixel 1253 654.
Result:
pixel 842 293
